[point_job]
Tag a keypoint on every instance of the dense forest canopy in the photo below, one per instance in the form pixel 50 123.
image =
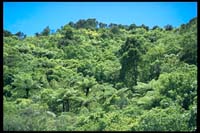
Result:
pixel 91 76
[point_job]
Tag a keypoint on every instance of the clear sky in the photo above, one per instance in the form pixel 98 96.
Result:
pixel 32 17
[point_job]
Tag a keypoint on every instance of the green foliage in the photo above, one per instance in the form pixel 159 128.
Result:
pixel 155 27
pixel 7 33
pixel 20 35
pixel 170 119
pixel 46 31
pixel 90 23
pixel 131 52
pixel 179 89
pixel 90 76
pixel 115 30
pixel 102 25
pixel 168 27
pixel 22 82
pixel 189 51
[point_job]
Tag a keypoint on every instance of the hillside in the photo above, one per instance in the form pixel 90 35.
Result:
pixel 88 76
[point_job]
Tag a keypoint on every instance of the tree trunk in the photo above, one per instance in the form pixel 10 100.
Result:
pixel 135 73
pixel 63 106
pixel 87 91
pixel 66 106
pixel 27 93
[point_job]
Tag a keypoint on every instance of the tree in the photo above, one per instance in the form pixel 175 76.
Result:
pixel 168 27
pixel 180 87
pixel 90 23
pixel 80 24
pixel 145 27
pixel 68 33
pixel 115 30
pixel 111 25
pixel 7 33
pixel 23 82
pixel 20 35
pixel 130 52
pixel 66 96
pixel 155 27
pixel 102 25
pixel 132 26
pixel 169 119
pixel 189 48
pixel 46 31
pixel 71 24
pixel 87 84
pixel 189 27
pixel 37 34
pixel 123 26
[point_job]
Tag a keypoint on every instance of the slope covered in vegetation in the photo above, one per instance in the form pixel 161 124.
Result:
pixel 90 76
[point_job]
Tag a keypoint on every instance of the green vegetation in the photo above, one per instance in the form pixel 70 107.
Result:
pixel 90 76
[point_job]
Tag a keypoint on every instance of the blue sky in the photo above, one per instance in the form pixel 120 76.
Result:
pixel 32 17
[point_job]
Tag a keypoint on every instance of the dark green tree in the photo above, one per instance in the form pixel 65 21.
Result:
pixel 71 24
pixel 102 25
pixel 68 33
pixel 132 26
pixel 115 30
pixel 112 25
pixel 46 31
pixel 145 27
pixel 123 26
pixel 37 34
pixel 155 27
pixel 168 27
pixel 90 23
pixel 7 33
pixel 130 52
pixel 80 24
pixel 189 49
pixel 20 35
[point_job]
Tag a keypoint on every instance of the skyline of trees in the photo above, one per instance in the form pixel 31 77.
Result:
pixel 92 23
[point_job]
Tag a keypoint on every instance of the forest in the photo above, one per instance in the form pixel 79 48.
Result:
pixel 92 76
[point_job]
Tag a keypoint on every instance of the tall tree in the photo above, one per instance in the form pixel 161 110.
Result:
pixel 130 52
